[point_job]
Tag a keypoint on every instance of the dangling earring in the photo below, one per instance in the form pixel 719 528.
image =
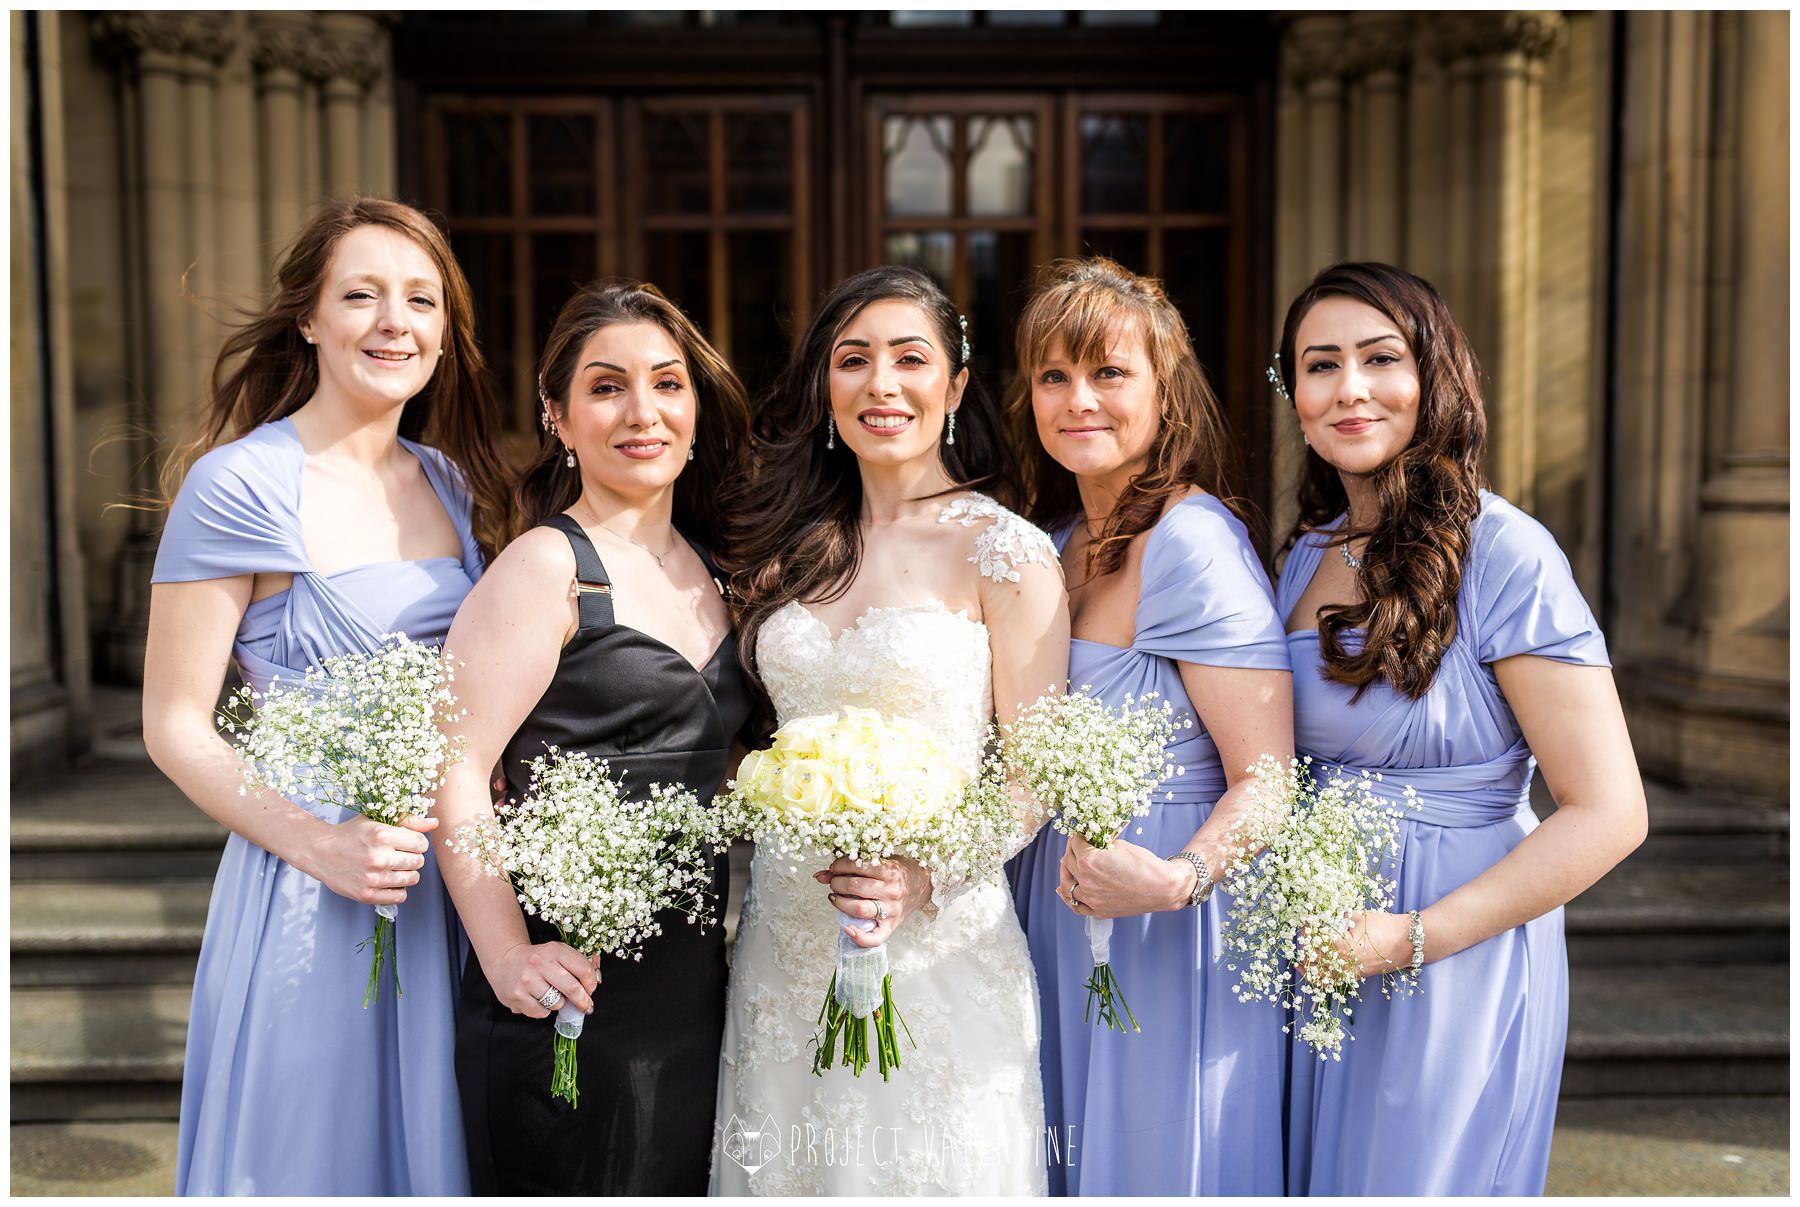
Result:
pixel 691 449
pixel 950 428
pixel 830 432
pixel 570 461
pixel 1305 439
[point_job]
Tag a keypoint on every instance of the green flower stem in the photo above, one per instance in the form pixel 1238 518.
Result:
pixel 562 1078
pixel 383 942
pixel 835 1021
pixel 1107 999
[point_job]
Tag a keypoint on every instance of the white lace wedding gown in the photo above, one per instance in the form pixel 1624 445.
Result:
pixel 964 1112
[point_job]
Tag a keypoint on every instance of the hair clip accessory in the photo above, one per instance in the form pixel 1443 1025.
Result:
pixel 1275 379
pixel 963 319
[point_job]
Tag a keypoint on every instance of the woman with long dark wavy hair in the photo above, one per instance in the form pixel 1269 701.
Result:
pixel 315 524
pixel 1438 637
pixel 600 630
pixel 1124 452
pixel 867 570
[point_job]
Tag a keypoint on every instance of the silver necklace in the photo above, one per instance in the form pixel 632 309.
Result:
pixel 1350 559
pixel 653 553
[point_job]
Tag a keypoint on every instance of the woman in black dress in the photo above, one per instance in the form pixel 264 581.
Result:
pixel 601 629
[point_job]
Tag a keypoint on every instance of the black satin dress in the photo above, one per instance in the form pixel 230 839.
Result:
pixel 649 1053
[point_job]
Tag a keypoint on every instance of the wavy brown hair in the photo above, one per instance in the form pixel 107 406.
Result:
pixel 266 370
pixel 722 413
pixel 1083 305
pixel 1427 497
pixel 795 509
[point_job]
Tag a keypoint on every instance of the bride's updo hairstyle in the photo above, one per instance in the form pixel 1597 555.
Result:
pixel 792 512
pixel 1426 499
pixel 1081 305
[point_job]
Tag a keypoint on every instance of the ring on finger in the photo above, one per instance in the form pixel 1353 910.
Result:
pixel 551 999
pixel 881 912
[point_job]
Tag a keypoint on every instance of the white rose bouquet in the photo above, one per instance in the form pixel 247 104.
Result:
pixel 1095 767
pixel 361 731
pixel 597 866
pixel 1326 835
pixel 867 787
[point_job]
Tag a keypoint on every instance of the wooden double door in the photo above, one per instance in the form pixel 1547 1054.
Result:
pixel 744 206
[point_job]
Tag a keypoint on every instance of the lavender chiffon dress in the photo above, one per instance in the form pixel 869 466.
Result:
pixel 290 1086
pixel 1452 1091
pixel 1193 1105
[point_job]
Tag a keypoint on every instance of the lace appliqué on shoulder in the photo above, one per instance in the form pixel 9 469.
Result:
pixel 1008 542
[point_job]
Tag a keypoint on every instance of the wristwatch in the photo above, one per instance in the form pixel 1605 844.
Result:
pixel 1203 882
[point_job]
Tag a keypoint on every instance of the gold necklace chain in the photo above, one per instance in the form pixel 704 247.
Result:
pixel 673 537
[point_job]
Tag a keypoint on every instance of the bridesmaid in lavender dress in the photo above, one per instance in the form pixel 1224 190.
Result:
pixel 1166 595
pixel 1438 637
pixel 316 531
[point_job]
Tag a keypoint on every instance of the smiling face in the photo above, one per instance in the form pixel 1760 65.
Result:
pixel 1356 385
pixel 630 411
pixel 891 384
pixel 1099 418
pixel 379 322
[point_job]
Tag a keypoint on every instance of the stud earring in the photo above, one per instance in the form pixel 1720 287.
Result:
pixel 830 432
pixel 950 428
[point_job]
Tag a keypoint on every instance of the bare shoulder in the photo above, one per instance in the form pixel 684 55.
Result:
pixel 1000 543
pixel 538 564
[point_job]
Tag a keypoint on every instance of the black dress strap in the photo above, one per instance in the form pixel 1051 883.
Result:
pixel 594 586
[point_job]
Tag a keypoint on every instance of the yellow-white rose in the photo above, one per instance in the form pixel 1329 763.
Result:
pixel 806 786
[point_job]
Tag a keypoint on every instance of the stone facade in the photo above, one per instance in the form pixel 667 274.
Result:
pixel 1622 298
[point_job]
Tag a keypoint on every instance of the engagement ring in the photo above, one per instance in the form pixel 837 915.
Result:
pixel 552 998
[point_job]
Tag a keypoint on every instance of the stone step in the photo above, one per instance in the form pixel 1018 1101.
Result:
pixel 127 932
pixel 1677 1029
pixel 1658 912
pixel 108 1052
pixel 1691 827
pixel 111 819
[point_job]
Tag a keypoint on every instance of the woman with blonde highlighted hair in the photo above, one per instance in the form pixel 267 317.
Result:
pixel 1124 449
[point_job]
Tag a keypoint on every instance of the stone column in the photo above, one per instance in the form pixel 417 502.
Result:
pixel 171 131
pixel 283 51
pixel 1309 218
pixel 1380 51
pixel 352 49
pixel 243 257
pixel 1701 499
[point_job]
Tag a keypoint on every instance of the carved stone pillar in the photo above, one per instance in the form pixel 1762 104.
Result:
pixel 1702 495
pixel 165 60
pixel 240 242
pixel 351 53
pixel 283 47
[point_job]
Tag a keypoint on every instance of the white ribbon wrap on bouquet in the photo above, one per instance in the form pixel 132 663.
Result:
pixel 569 1020
pixel 860 970
pixel 1099 931
pixel 390 912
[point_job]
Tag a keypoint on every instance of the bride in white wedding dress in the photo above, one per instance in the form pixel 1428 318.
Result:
pixel 867 573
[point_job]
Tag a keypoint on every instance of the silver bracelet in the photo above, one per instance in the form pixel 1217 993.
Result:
pixel 1203 882
pixel 1415 931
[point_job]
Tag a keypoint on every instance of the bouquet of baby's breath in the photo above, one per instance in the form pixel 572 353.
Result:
pixel 1325 835
pixel 597 867
pixel 859 785
pixel 1096 767
pixel 361 731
